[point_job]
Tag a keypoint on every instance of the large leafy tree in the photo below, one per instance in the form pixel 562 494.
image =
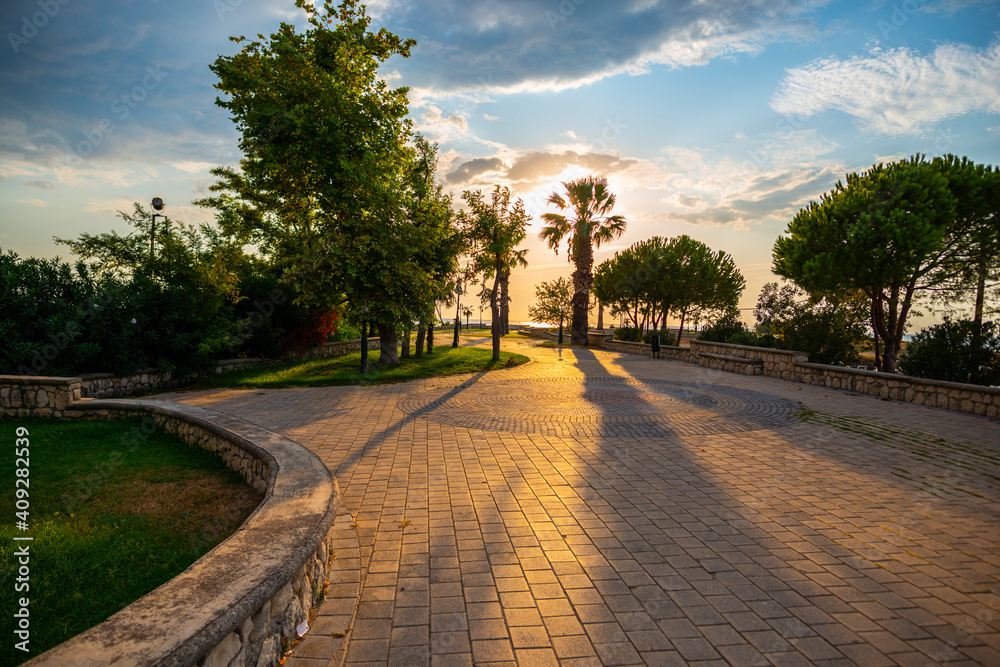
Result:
pixel 590 224
pixel 325 166
pixel 621 283
pixel 494 229
pixel 657 276
pixel 702 281
pixel 883 232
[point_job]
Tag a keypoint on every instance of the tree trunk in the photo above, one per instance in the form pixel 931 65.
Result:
pixel 890 325
pixel 600 316
pixel 387 345
pixel 504 301
pixel 404 353
pixel 583 256
pixel 495 325
pixel 430 337
pixel 421 334
pixel 981 271
pixel 875 335
pixel 680 329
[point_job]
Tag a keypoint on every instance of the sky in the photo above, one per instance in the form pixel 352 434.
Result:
pixel 718 119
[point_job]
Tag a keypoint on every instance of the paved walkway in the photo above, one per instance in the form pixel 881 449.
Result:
pixel 599 508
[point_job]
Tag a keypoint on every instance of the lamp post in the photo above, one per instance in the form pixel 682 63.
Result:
pixel 562 312
pixel 458 296
pixel 364 344
pixel 157 205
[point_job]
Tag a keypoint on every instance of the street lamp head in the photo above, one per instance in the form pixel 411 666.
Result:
pixel 458 289
pixel 157 204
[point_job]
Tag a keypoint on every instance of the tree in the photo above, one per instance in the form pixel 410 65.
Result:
pixel 494 229
pixel 623 282
pixel 592 224
pixel 657 276
pixel 323 179
pixel 955 351
pixel 439 242
pixel 974 267
pixel 882 232
pixel 553 300
pixel 775 304
pixel 704 282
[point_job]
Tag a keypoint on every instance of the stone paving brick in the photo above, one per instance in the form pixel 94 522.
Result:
pixel 704 514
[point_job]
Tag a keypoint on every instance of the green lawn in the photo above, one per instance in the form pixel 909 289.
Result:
pixel 445 360
pixel 110 521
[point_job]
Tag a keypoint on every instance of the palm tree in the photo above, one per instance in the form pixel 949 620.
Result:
pixel 592 225
pixel 467 311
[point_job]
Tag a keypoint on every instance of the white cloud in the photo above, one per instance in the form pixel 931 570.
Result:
pixel 436 125
pixel 32 202
pixel 193 167
pixel 896 92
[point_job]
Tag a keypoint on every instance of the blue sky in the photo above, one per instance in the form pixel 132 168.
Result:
pixel 714 118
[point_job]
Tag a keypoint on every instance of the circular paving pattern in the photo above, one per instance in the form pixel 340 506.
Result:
pixel 603 407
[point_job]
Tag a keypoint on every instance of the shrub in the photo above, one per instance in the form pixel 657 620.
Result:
pixel 58 319
pixel 667 337
pixel 629 334
pixel 829 334
pixel 949 352
pixel 724 329
pixel 265 316
pixel 767 340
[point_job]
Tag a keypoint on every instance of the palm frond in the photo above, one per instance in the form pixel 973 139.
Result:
pixel 612 228
pixel 554 232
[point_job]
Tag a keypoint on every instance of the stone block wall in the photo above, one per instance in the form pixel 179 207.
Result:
pixel 794 366
pixel 22 395
pixel 775 363
pixel 107 385
pixel 970 398
pixel 263 637
pixel 333 349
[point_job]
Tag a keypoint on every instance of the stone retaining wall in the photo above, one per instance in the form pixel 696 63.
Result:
pixel 794 366
pixel 22 395
pixel 244 602
pixel 334 349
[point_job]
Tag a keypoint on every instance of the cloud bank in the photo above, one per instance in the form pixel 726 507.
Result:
pixel 897 91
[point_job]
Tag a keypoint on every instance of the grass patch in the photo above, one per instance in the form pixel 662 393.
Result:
pixel 445 360
pixel 110 521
